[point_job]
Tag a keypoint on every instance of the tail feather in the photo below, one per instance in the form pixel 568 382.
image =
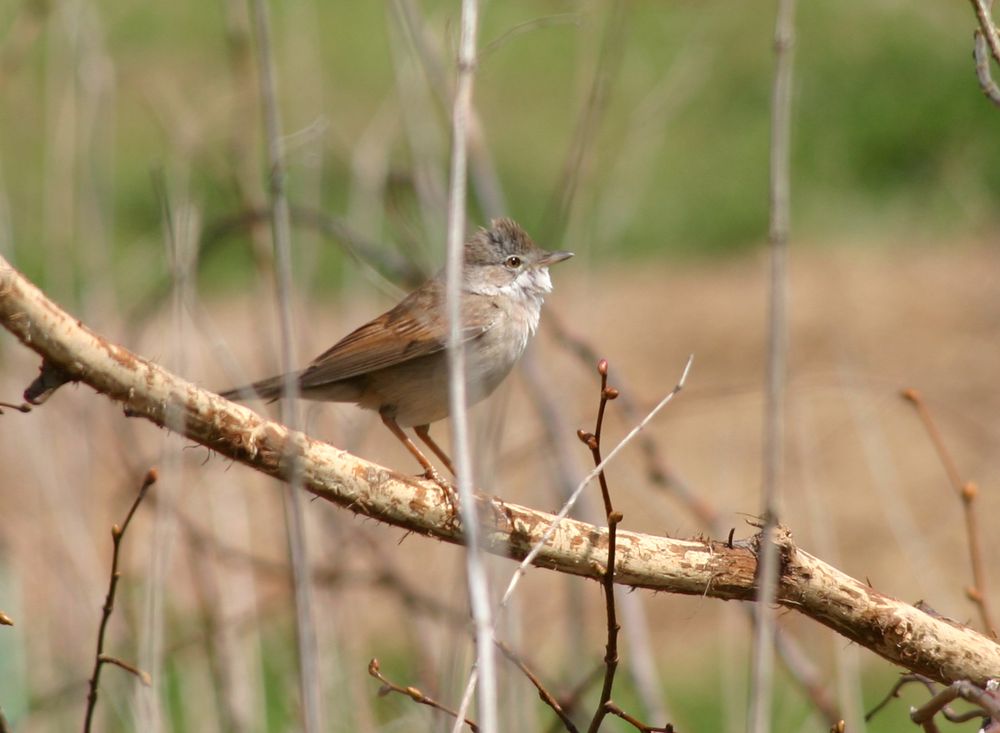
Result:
pixel 266 389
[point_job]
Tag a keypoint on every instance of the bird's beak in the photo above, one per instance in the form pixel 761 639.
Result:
pixel 551 258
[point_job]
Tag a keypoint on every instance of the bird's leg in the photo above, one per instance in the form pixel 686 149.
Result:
pixel 390 422
pixel 424 433
pixel 429 470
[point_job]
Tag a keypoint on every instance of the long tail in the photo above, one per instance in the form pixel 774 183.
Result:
pixel 268 389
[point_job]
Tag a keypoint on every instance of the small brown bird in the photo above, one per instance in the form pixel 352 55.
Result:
pixel 397 363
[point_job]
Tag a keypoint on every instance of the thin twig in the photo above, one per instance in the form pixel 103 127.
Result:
pixel 544 21
pixel 904 680
pixel 762 665
pixel 612 708
pixel 981 54
pixel 117 533
pixel 614 518
pixel 23 407
pixel 967 491
pixel 948 713
pixel 571 700
pixel 982 8
pixel 143 676
pixel 547 697
pixel 416 695
pixel 986 699
pixel 478 583
pixel 309 682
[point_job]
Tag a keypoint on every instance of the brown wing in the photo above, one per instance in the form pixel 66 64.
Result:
pixel 410 330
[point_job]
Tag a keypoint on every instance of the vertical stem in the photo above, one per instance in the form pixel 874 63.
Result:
pixel 281 233
pixel 478 584
pixel 762 670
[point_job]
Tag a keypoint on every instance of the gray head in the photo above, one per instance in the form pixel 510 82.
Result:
pixel 504 258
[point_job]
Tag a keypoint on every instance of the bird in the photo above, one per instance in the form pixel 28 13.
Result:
pixel 397 363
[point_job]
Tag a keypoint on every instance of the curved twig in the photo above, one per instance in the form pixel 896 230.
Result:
pixel 905 635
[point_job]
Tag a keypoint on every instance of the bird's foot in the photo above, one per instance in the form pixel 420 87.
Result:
pixel 450 494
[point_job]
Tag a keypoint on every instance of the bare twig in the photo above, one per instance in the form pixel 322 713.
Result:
pixel 612 708
pixel 906 679
pixel 893 693
pixel 986 699
pixel 545 21
pixel 986 25
pixel 571 700
pixel 143 676
pixel 416 695
pixel 547 697
pixel 981 54
pixel 309 681
pixel 100 659
pixel 23 407
pixel 762 665
pixel 614 518
pixel 478 583
pixel 967 492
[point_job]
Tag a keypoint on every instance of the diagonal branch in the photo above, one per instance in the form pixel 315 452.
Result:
pixel 905 635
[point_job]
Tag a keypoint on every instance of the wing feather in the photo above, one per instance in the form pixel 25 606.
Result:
pixel 408 331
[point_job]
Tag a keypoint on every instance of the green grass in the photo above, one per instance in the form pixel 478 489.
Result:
pixel 890 128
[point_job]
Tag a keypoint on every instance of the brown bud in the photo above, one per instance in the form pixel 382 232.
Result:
pixel 602 367
pixel 910 394
pixel 373 666
pixel 611 393
pixel 116 531
pixel 584 436
pixel 615 517
pixel 152 476
pixel 592 442
pixel 969 492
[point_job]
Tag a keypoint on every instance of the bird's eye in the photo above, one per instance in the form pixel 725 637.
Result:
pixel 513 262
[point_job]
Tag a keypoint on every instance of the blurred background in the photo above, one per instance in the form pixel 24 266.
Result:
pixel 133 191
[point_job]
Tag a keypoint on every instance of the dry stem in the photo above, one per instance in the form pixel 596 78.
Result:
pixel 762 663
pixel 100 659
pixel 967 492
pixel 593 441
pixel 547 697
pixel 414 694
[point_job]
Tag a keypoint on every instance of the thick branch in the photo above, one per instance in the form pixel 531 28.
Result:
pixel 899 632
